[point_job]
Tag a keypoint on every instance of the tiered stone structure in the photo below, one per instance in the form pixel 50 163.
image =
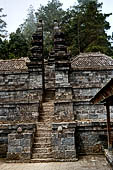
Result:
pixel 56 119
pixel 35 66
pixel 63 89
pixel 63 139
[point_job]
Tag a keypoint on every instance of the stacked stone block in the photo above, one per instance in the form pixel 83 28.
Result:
pixel 86 83
pixel 7 129
pixel 63 135
pixel 63 89
pixel 35 66
pixel 20 146
pixel 63 141
pixel 91 137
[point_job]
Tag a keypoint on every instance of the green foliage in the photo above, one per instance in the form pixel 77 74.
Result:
pixel 29 25
pixel 16 47
pixel 52 11
pixel 4 49
pixel 86 29
pixel 2 24
pixel 84 26
pixel 83 2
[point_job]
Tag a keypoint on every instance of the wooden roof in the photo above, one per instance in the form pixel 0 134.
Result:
pixel 105 95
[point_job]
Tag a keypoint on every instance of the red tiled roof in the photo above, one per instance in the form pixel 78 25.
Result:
pixel 92 61
pixel 14 64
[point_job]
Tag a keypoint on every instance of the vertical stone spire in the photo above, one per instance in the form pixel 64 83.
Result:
pixel 59 43
pixel 37 44
pixel 36 64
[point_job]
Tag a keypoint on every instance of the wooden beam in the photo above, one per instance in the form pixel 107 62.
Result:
pixel 108 127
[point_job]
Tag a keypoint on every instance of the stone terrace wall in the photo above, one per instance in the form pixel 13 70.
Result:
pixel 86 83
pixel 19 101
pixel 91 137
pixel 6 129
pixel 63 141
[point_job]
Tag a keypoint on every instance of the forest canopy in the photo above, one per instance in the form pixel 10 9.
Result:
pixel 84 26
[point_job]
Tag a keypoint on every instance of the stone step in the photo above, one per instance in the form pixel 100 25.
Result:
pixel 46 116
pixel 41 155
pixel 42 125
pixel 42 145
pixel 47 112
pixel 42 139
pixel 43 135
pixel 48 106
pixel 48 109
pixel 41 160
pixel 43 130
pixel 42 150
pixel 50 103
pixel 44 120
pixel 46 123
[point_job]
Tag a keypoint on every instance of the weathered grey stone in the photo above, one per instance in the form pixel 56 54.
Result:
pixel 63 142
pixel 21 146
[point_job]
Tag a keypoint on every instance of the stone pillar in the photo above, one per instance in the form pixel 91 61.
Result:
pixel 63 128
pixel 35 66
pixel 63 141
pixel 63 89
pixel 50 73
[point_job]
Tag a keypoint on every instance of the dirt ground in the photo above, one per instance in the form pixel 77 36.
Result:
pixel 84 163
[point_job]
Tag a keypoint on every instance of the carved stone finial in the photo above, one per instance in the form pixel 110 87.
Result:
pixel 19 129
pixel 56 27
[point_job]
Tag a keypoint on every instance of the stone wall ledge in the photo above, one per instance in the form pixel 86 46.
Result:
pixel 12 104
pixel 93 69
pixel 15 72
pixel 62 101
pixel 64 86
pixel 64 125
pixel 87 102
pixel 11 90
pixel 93 122
pixel 87 87
pixel 15 126
pixel 84 125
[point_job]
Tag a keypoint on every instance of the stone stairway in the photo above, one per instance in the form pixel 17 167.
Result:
pixel 42 149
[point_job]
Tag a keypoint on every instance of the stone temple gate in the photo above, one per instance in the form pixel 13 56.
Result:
pixel 45 109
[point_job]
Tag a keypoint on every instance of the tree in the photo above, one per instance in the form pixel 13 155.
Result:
pixel 4 49
pixel 2 24
pixel 86 29
pixel 18 46
pixel 29 26
pixel 82 2
pixel 52 11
